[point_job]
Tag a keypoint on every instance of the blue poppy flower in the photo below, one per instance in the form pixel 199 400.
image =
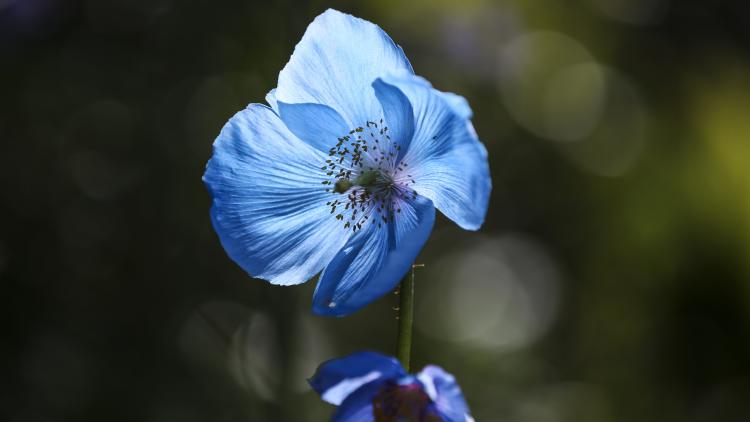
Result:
pixel 368 386
pixel 344 170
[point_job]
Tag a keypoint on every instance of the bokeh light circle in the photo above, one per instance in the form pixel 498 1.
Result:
pixel 551 85
pixel 253 356
pixel 614 146
pixel 500 294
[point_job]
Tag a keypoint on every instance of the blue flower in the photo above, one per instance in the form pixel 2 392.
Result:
pixel 344 170
pixel 368 386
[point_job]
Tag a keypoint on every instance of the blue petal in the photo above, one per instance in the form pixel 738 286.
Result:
pixel 334 64
pixel 445 394
pixel 445 158
pixel 337 378
pixel 459 104
pixel 374 259
pixel 316 124
pixel 397 111
pixel 271 100
pixel 358 406
pixel 268 201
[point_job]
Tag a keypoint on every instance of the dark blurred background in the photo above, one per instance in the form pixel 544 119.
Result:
pixel 611 281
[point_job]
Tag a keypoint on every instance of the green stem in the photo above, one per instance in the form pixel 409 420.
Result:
pixel 405 319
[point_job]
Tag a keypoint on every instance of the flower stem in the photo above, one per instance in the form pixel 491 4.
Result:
pixel 405 319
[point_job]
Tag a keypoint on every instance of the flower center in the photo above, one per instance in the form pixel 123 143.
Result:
pixel 409 402
pixel 367 176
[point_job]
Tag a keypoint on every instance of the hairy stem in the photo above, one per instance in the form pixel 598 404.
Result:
pixel 405 319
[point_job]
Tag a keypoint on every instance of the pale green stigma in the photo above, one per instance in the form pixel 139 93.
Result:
pixel 366 179
pixel 342 185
